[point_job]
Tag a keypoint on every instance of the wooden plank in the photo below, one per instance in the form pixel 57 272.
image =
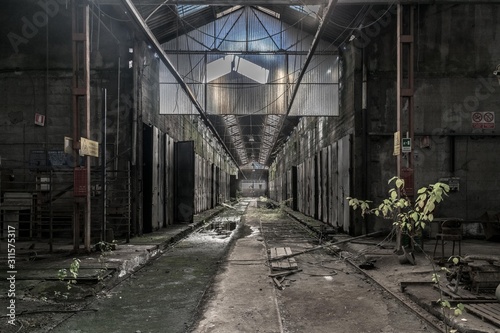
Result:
pixel 465 294
pixel 277 283
pixel 282 274
pixel 487 312
pixel 285 263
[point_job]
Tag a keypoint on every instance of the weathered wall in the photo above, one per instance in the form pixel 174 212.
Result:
pixel 36 77
pixel 456 51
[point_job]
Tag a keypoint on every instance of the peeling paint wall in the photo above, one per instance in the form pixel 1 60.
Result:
pixel 36 77
pixel 456 51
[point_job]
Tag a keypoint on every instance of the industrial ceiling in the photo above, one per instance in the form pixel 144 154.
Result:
pixel 251 139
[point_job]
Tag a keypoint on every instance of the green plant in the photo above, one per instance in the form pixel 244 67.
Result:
pixel 106 249
pixel 447 309
pixel 409 217
pixel 73 271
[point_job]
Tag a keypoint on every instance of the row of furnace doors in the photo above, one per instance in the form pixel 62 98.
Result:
pixel 173 192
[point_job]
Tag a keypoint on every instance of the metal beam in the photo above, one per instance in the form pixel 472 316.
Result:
pixel 156 3
pixel 303 2
pixel 137 18
pixel 317 37
pixel 312 50
pixel 273 52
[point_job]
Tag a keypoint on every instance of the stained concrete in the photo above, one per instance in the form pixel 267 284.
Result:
pixel 205 283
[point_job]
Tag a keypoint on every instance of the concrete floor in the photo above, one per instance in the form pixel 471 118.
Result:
pixel 331 293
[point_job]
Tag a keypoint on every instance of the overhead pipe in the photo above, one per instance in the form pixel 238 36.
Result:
pixel 136 16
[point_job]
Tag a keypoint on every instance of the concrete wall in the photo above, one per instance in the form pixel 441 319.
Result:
pixel 36 77
pixel 456 51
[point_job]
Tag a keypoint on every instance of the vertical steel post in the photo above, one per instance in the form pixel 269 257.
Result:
pixel 81 91
pixel 405 90
pixel 86 57
pixel 104 190
pixel 76 114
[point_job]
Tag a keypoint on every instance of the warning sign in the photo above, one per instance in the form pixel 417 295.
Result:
pixel 485 120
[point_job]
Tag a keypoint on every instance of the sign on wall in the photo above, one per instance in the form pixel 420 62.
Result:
pixel 397 144
pixel 406 145
pixel 484 120
pixel 89 147
pixel 39 119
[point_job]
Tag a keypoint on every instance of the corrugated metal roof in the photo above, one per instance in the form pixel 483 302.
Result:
pixel 251 137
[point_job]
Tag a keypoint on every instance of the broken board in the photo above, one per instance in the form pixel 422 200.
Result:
pixel 282 264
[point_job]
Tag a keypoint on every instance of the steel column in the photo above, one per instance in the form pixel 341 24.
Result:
pixel 81 91
pixel 405 91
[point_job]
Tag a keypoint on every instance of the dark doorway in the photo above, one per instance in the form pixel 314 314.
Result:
pixel 147 158
pixel 294 188
pixel 233 187
pixel 184 181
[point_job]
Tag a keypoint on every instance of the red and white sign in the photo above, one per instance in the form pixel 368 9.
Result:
pixel 39 119
pixel 485 120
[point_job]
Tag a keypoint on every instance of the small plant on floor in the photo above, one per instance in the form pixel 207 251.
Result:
pixel 447 310
pixel 68 276
pixel 106 249
pixel 409 217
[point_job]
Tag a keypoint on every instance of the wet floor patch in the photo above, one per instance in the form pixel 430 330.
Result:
pixel 225 224
pixel 220 228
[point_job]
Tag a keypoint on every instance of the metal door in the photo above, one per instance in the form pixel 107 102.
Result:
pixel 147 157
pixel 333 185
pixel 294 184
pixel 170 191
pixel 324 183
pixel 155 177
pixel 184 181
pixel 344 164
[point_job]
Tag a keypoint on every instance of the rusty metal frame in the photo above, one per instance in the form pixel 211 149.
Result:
pixel 81 90
pixel 405 88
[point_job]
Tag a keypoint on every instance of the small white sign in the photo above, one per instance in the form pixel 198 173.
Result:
pixel 39 119
pixel 89 147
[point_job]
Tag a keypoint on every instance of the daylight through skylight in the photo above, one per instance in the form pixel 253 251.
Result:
pixel 311 10
pixel 185 10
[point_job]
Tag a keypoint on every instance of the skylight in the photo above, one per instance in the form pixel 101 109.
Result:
pixel 228 11
pixel 268 11
pixel 186 10
pixel 233 63
pixel 311 10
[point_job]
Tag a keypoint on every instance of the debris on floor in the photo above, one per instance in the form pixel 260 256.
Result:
pixel 281 260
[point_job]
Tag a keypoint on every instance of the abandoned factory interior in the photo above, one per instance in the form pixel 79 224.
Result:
pixel 193 134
